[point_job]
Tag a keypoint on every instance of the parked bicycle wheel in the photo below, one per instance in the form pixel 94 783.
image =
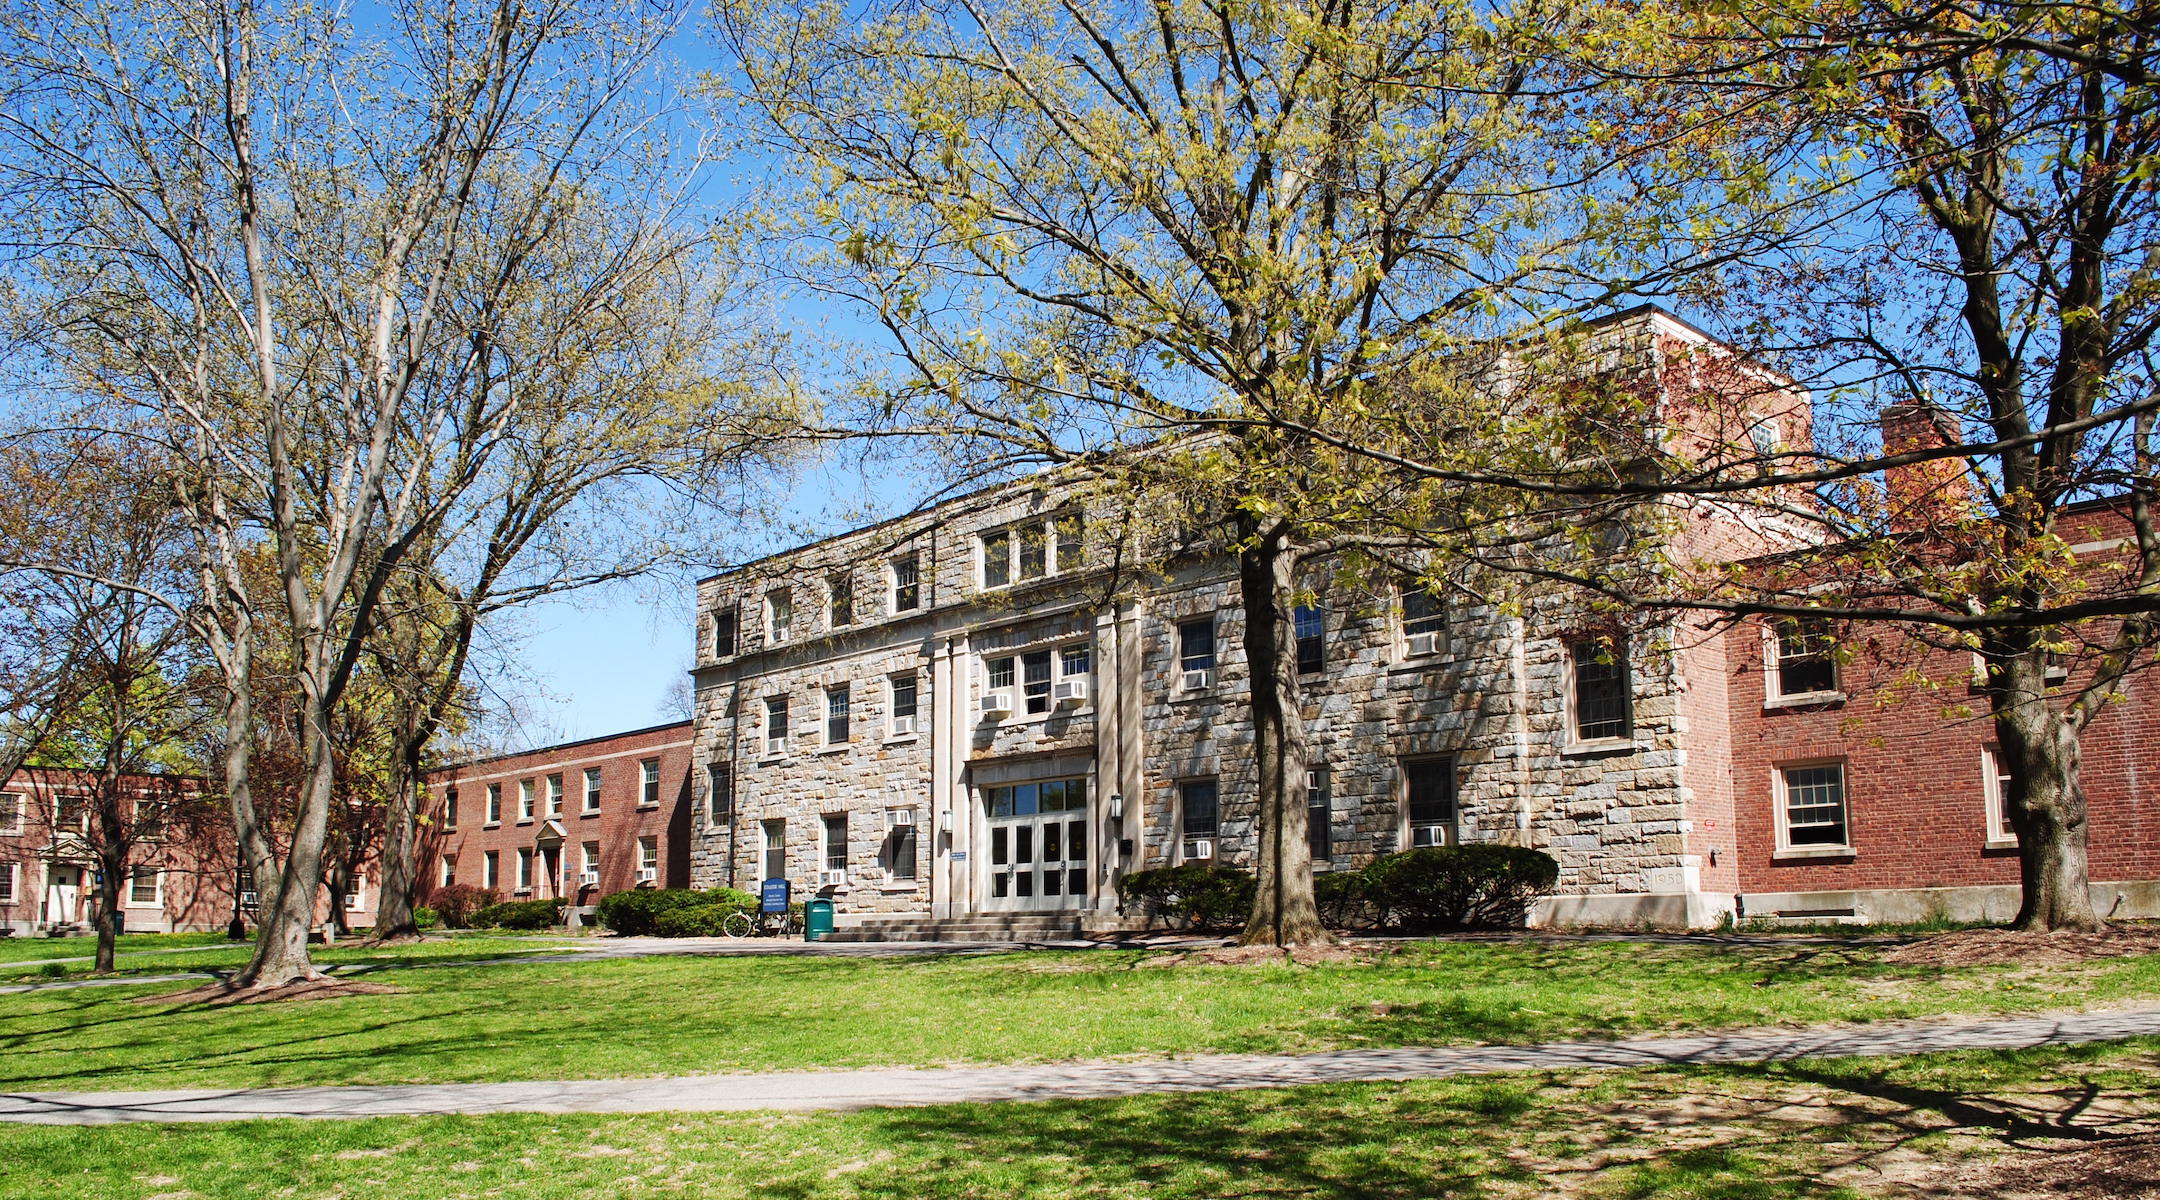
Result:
pixel 737 924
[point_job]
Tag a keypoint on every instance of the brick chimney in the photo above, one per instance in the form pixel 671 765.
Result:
pixel 1923 495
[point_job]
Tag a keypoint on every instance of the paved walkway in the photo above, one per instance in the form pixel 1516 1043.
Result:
pixel 842 1090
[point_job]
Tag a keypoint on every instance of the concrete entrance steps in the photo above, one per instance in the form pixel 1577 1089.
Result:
pixel 981 927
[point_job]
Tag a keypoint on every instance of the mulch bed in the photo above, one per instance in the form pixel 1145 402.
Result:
pixel 2007 947
pixel 217 995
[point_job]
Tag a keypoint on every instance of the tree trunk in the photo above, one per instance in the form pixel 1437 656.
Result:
pixel 2045 799
pixel 1284 912
pixel 281 944
pixel 108 907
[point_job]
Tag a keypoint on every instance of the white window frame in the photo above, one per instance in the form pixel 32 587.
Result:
pixel 446 870
pixel 1572 683
pixel 589 863
pixel 494 805
pixel 592 791
pixel 729 622
pixel 829 848
pixel 892 705
pixel 554 793
pixel 524 869
pixel 1046 527
pixel 59 806
pixel 1434 641
pixel 893 584
pixel 1185 836
pixel 779 616
pixel 1196 679
pixel 1994 790
pixel 776 744
pixel 12 821
pixel 845 694
pixel 528 800
pixel 10 883
pixel 157 887
pixel 490 869
pixel 356 899
pixel 649 782
pixel 1781 814
pixel 772 840
pixel 1451 828
pixel 648 850
pixel 839 585
pixel 1774 693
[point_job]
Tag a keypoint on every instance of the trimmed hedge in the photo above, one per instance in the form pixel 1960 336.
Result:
pixel 1458 887
pixel 637 913
pixel 456 903
pixel 519 914
pixel 1192 896
pixel 704 920
pixel 1340 896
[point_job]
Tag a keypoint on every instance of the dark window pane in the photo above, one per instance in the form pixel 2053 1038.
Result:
pixel 1076 882
pixel 1311 629
pixel 1197 802
pixel 1317 813
pixel 1024 883
pixel 1076 841
pixel 1601 691
pixel 1024 844
pixel 999 855
pixel 1053 850
pixel 1196 645
pixel 1432 791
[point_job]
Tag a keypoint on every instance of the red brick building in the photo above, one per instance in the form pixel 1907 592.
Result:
pixel 572 822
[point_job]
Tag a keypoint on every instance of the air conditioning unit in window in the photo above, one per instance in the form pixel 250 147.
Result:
pixel 1422 645
pixel 1199 848
pixel 1428 835
pixel 648 874
pixel 1199 681
pixel 831 877
pixel 590 877
pixel 901 726
pixel 776 745
pixel 997 704
pixel 1070 693
pixel 899 818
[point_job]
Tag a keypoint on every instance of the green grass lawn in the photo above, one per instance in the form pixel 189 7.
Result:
pixel 1809 1129
pixel 141 954
pixel 661 1016
pixel 41 949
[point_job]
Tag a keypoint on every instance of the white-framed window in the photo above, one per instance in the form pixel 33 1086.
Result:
pixel 589 863
pixel 1424 622
pixel 1308 626
pixel 71 814
pixel 145 887
pixel 1812 811
pixel 648 860
pixel 1429 811
pixel 356 899
pixel 836 847
pixel 727 633
pixel 592 789
pixel 1196 654
pixel 526 793
pixel 776 725
pixel 840 600
pixel 1319 814
pixel 449 808
pixel 446 871
pixel 779 616
pixel 1035 670
pixel 1995 788
pixel 1599 691
pixel 719 794
pixel 1032 549
pixel 9 885
pixel 554 794
pixel 11 812
pixel 905 574
pixel 1199 820
pixel 648 783
pixel 838 698
pixel 900 704
pixel 490 869
pixel 1801 658
pixel 900 852
pixel 775 846
pixel 524 869
pixel 494 804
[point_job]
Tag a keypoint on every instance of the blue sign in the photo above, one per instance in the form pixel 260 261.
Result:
pixel 959 856
pixel 773 897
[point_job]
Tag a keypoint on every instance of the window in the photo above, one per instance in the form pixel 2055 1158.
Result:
pixel 589 864
pixel 592 789
pixel 1429 801
pixel 554 794
pixel 998 672
pixel 7 883
pixel 1813 800
pixel 648 783
pixel 1196 651
pixel 1803 657
pixel 71 813
pixel 1071 549
pixel 1424 626
pixel 779 616
pixel 11 812
pixel 1995 788
pixel 836 842
pixel 776 849
pixel 900 852
pixel 1032 550
pixel 1318 814
pixel 143 886
pixel 356 897
pixel 997 559
pixel 1310 628
pixel 906 584
pixel 449 808
pixel 1599 691
pixel 840 590
pixel 1074 661
pixel 490 869
pixel 726 631
pixel 524 875
pixel 836 714
pixel 1034 547
pixel 525 799
pixel 903 701
pixel 446 871
pixel 1035 680
pixel 719 794
pixel 494 804
pixel 1199 818
pixel 776 724
pixel 245 880
pixel 648 860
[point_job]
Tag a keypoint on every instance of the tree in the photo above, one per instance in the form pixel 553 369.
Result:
pixel 1168 242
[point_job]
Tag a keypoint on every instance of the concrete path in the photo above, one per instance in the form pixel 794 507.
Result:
pixel 842 1090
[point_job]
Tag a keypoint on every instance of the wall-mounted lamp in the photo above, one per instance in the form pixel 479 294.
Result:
pixel 944 819
pixel 1117 806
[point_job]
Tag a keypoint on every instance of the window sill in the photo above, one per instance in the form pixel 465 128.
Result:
pixel 525 820
pixel 523 891
pixel 647 807
pixel 1807 853
pixel 1803 700
pixel 590 812
pixel 1183 695
pixel 145 904
pixel 1999 844
pixel 492 825
pixel 842 748
pixel 896 739
pixel 1599 747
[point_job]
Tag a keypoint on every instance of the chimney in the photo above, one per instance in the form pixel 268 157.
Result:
pixel 1923 495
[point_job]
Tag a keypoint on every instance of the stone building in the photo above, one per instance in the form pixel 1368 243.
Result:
pixel 965 712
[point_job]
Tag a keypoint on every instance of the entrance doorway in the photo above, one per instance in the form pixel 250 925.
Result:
pixel 1038 846
pixel 63 894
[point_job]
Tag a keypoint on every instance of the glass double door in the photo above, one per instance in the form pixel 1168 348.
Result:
pixel 1038 845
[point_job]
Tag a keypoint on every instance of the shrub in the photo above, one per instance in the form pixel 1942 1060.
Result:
pixel 699 920
pixel 424 917
pixel 1191 896
pixel 519 914
pixel 457 902
pixel 637 913
pixel 1341 897
pixel 1456 887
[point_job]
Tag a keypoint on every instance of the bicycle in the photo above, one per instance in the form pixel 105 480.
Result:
pixel 764 924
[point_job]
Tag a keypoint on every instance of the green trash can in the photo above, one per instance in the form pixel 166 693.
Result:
pixel 817 919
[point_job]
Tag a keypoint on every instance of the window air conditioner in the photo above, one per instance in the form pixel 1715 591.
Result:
pixel 589 877
pixel 901 726
pixel 997 704
pixel 899 818
pixel 1428 835
pixel 1199 848
pixel 1070 693
pixel 832 878
pixel 776 745
pixel 1200 680
pixel 1424 644
pixel 648 874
